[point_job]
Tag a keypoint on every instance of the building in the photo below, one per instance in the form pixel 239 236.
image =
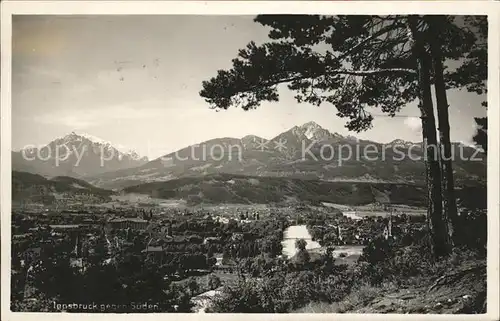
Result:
pixel 65 227
pixel 157 252
pixel 125 223
pixel 388 229
pixel 237 237
pixel 211 240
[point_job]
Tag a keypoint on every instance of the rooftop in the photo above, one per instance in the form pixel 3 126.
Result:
pixel 64 226
pixel 131 219
pixel 153 249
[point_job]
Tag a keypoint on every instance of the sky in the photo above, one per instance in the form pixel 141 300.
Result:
pixel 135 81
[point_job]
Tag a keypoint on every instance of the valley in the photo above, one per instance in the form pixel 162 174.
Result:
pixel 200 227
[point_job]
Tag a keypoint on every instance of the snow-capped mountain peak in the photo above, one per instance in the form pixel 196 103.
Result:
pixel 402 143
pixel 97 145
pixel 79 154
pixel 310 129
pixel 79 136
pixel 313 131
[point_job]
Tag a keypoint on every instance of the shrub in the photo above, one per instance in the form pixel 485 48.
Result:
pixel 283 292
pixel 214 282
pixel 394 260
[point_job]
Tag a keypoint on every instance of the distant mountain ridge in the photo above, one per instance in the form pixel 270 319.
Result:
pixel 241 189
pixel 27 187
pixel 75 155
pixel 305 152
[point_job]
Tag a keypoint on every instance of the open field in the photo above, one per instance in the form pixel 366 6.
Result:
pixel 375 209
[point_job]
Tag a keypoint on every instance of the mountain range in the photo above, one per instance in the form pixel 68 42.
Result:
pixel 307 151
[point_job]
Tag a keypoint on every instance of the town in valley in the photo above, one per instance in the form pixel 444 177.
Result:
pixel 249 164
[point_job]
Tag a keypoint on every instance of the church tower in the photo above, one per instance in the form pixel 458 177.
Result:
pixel 389 226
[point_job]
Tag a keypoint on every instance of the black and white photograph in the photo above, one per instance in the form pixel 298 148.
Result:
pixel 268 163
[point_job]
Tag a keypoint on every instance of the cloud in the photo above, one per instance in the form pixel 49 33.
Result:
pixel 71 121
pixel 44 72
pixel 468 143
pixel 80 118
pixel 414 123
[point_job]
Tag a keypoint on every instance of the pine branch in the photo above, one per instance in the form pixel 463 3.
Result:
pixel 334 72
pixel 368 39
pixel 372 72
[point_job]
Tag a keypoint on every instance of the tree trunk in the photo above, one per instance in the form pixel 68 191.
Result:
pixel 448 188
pixel 436 224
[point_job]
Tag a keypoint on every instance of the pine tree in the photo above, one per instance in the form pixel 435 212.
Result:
pixel 355 63
pixel 435 221
pixel 472 74
pixel 481 136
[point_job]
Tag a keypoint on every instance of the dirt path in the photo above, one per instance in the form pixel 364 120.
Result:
pixel 460 292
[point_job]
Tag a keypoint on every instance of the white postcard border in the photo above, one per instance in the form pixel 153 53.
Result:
pixel 252 8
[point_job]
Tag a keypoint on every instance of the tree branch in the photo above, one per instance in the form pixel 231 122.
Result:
pixel 364 41
pixel 374 72
pixel 334 72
